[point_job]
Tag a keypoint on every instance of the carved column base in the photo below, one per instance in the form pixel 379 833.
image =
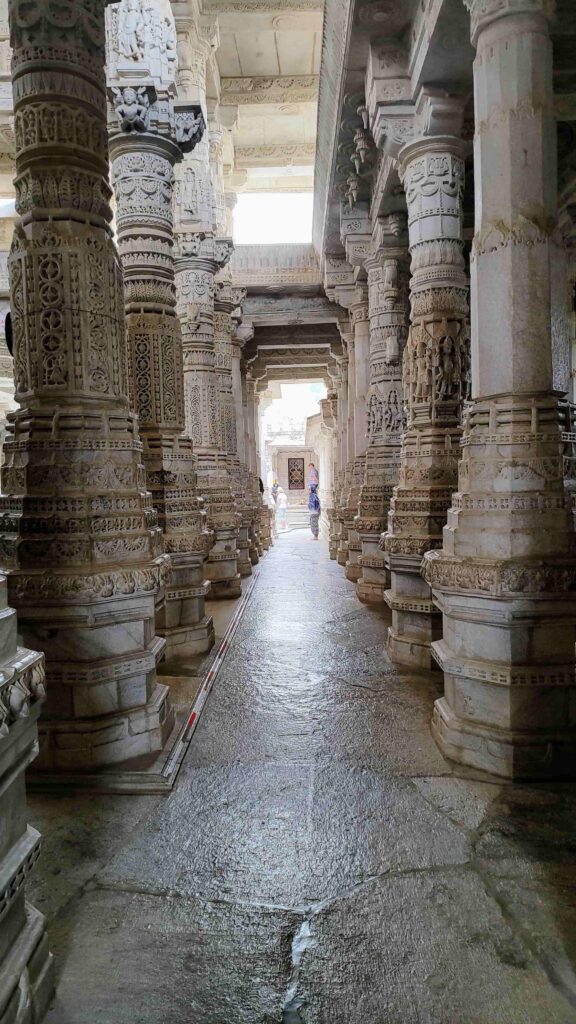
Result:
pixel 374 576
pixel 244 547
pixel 171 476
pixel 92 743
pixel 182 620
pixel 27 971
pixel 416 621
pixel 505 582
pixel 266 517
pixel 221 568
pixel 353 569
pixel 512 713
pixel 334 533
pixel 342 552
pixel 104 705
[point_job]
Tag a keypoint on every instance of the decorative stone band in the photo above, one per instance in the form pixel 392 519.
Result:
pixel 482 12
pixel 69 587
pixel 501 675
pixel 21 685
pixel 16 865
pixel 498 578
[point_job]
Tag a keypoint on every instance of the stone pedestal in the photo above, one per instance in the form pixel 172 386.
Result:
pixel 505 578
pixel 79 535
pixel 388 309
pixel 435 373
pixel 26 969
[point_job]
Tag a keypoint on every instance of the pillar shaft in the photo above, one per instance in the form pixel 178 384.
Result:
pixel 435 371
pixel 361 328
pixel 143 176
pixel 388 309
pixel 200 255
pixel 79 535
pixel 227 299
pixel 506 575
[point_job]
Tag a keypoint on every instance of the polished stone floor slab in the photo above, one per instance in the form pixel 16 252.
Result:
pixel 318 861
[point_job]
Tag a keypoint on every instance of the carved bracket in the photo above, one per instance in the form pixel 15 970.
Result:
pixel 189 124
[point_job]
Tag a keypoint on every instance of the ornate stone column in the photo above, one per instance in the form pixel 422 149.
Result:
pixel 197 263
pixel 361 327
pixel 26 970
pixel 226 300
pixel 435 371
pixel 347 512
pixel 342 455
pixel 506 575
pixel 144 148
pixel 388 309
pixel 200 255
pixel 79 535
pixel 250 484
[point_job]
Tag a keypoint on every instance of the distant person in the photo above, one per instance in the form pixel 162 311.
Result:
pixel 314 509
pixel 313 477
pixel 274 490
pixel 281 503
pixel 260 485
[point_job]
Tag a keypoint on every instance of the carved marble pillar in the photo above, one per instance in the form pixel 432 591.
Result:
pixel 361 327
pixel 26 970
pixel 226 300
pixel 506 575
pixel 201 255
pixel 435 376
pixel 197 262
pixel 79 536
pixel 345 512
pixel 250 477
pixel 143 175
pixel 388 309
pixel 342 458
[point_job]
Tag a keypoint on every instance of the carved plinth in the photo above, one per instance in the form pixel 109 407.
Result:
pixel 26 969
pixel 505 583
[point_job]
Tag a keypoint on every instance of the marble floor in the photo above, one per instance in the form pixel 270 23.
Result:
pixel 318 861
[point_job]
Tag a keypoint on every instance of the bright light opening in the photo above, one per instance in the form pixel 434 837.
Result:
pixel 265 217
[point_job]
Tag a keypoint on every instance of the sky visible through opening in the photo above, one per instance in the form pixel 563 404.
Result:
pixel 269 217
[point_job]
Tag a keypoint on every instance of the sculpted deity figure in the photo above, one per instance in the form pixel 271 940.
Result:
pixel 132 108
pixel 131 30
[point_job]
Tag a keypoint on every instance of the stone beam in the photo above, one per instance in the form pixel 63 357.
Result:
pixel 281 89
pixel 283 155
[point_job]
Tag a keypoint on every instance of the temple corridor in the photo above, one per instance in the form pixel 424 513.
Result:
pixel 318 860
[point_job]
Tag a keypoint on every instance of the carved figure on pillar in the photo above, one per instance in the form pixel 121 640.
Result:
pixel 143 162
pixel 435 371
pixel 79 536
pixel 388 310
pixel 505 578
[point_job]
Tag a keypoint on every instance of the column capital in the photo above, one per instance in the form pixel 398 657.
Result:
pixel 484 12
